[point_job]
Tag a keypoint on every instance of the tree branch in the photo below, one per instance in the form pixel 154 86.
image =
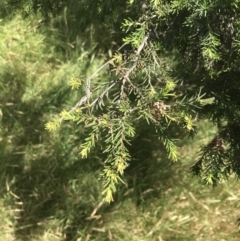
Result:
pixel 135 62
pixel 125 79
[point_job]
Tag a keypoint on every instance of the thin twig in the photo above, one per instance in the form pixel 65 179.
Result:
pixel 125 78
pixel 97 208
pixel 99 69
pixel 102 95
pixel 85 98
pixel 129 71
pixel 121 46
pixel 88 85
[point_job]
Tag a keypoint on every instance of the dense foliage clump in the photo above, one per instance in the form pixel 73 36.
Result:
pixel 179 64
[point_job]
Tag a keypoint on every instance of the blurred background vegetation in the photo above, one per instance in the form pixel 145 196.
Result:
pixel 47 192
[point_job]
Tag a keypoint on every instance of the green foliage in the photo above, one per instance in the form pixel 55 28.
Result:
pixel 137 95
pixel 75 82
pixel 172 50
pixel 209 39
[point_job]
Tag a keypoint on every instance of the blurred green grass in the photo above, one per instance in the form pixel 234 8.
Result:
pixel 162 202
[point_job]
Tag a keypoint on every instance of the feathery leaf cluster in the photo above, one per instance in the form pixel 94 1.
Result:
pixel 176 49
